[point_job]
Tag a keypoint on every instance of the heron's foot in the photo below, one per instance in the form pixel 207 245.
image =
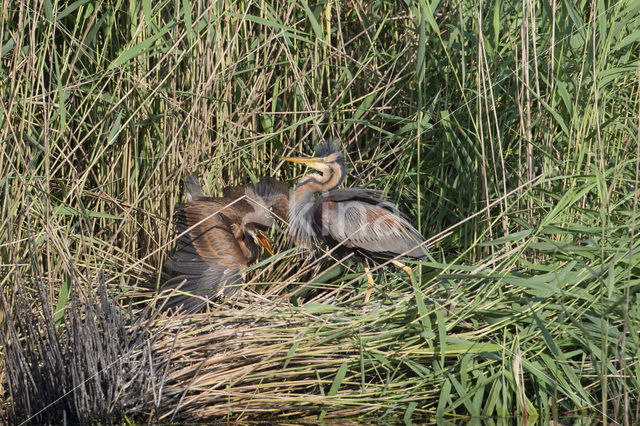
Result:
pixel 370 284
pixel 405 268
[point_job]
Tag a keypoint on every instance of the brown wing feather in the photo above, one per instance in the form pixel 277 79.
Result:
pixel 207 255
pixel 234 192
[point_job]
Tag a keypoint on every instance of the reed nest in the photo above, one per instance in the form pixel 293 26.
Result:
pixel 241 360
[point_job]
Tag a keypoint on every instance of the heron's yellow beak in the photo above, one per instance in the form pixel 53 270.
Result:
pixel 318 163
pixel 262 239
pixel 303 160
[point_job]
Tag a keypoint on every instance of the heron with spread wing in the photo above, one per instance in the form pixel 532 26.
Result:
pixel 351 220
pixel 218 238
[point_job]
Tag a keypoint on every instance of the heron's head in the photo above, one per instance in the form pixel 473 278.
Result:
pixel 268 198
pixel 259 236
pixel 328 157
pixel 272 195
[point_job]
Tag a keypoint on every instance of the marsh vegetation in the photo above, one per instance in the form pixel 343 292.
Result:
pixel 507 131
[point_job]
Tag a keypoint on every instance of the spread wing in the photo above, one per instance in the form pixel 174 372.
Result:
pixel 234 192
pixel 207 257
pixel 365 223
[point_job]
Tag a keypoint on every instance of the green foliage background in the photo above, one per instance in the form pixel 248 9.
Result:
pixel 508 131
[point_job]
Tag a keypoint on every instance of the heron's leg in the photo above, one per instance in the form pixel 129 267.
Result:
pixel 405 268
pixel 370 285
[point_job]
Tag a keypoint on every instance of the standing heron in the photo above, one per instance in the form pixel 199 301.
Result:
pixel 218 238
pixel 353 220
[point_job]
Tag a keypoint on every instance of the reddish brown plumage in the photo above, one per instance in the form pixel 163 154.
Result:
pixel 216 239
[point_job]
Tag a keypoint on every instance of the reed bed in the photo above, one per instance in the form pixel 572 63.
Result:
pixel 507 131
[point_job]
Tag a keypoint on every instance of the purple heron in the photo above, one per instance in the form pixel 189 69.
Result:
pixel 220 237
pixel 351 220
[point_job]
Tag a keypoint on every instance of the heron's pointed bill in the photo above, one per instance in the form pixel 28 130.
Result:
pixel 313 162
pixel 264 241
pixel 303 160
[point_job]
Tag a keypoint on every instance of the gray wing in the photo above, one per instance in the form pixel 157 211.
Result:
pixel 371 196
pixel 374 228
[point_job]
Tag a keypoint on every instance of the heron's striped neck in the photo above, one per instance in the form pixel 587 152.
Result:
pixel 330 178
pixel 301 204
